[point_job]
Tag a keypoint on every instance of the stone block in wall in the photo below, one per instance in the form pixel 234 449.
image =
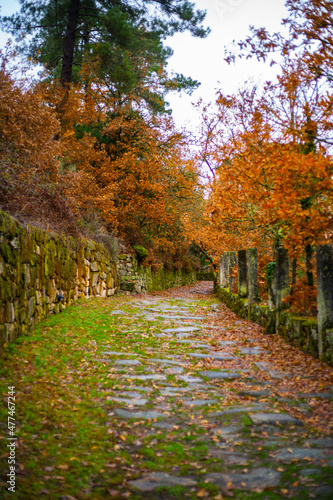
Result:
pixel 110 281
pixel 39 297
pixel 94 266
pixel 94 279
pixel 27 278
pixel 9 313
pixel 7 224
pixel 7 254
pixel 31 307
pixel 23 315
pixel 103 289
pixel 10 332
pixel 122 257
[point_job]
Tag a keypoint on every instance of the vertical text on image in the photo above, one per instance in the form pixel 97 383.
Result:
pixel 11 474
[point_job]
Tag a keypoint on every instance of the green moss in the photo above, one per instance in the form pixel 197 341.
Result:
pixel 122 256
pixel 311 322
pixel 270 272
pixel 6 252
pixel 9 225
pixel 141 252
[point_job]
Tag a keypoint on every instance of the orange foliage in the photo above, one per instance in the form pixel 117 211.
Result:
pixel 303 300
pixel 265 189
pixel 269 181
pixel 30 186
pixel 28 125
pixel 110 158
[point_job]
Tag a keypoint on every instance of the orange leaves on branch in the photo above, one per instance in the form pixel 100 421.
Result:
pixel 27 126
pixel 265 188
pixel 118 166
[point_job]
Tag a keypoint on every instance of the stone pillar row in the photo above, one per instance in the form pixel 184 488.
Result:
pixel 278 280
pixel 247 282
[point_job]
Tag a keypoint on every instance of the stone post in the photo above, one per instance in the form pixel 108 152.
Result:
pixel 282 275
pixel 232 264
pixel 242 273
pixel 253 290
pixel 271 283
pixel 225 270
pixel 221 270
pixel 282 280
pixel 324 292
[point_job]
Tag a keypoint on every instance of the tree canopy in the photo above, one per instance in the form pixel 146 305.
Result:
pixel 121 39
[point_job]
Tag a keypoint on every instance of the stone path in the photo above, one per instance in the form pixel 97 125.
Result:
pixel 204 415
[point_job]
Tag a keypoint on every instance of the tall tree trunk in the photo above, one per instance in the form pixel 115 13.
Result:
pixel 68 57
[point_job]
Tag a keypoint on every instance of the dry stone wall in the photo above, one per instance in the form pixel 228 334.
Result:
pixel 134 277
pixel 42 273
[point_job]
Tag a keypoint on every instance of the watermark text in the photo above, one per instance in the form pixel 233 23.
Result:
pixel 12 439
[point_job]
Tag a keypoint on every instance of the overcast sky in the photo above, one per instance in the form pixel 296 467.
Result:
pixel 203 59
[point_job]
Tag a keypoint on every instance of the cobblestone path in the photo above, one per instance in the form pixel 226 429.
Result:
pixel 210 419
pixel 166 396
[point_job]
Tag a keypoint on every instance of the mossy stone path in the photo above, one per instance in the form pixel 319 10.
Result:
pixel 159 403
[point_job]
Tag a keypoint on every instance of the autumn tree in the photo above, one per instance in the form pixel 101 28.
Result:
pixel 31 187
pixel 271 182
pixel 307 36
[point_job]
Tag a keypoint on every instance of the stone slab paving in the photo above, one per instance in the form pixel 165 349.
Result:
pixel 200 427
pixel 118 312
pixel 184 329
pixel 174 370
pixel 242 409
pixel 129 401
pixel 160 479
pixel 151 376
pixel 214 374
pixel 199 402
pixel 274 418
pixel 288 455
pixel 127 362
pixel 257 479
pixel 168 316
pixel 164 361
pixel 217 357
pixel 149 414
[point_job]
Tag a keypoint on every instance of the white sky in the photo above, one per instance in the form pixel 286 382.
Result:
pixel 202 59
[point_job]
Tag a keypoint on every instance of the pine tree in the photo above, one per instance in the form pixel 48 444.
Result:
pixel 124 36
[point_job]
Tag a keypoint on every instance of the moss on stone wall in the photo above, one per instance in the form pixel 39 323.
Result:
pixel 37 267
